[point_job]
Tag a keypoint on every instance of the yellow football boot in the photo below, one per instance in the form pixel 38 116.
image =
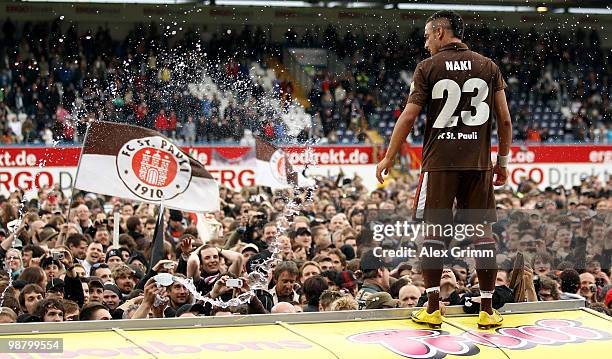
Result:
pixel 433 320
pixel 486 320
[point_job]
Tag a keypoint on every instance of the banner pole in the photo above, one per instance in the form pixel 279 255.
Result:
pixel 157 246
pixel 76 176
pixel 116 219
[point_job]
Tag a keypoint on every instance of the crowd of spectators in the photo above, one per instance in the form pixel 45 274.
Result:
pixel 54 82
pixel 56 77
pixel 61 264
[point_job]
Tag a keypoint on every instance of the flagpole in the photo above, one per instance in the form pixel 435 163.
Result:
pixel 116 220
pixel 77 174
pixel 157 246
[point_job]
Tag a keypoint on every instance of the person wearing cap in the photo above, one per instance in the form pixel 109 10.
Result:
pixel 125 252
pixel 138 273
pixel 55 288
pixel 248 251
pixel 375 277
pixel 346 280
pixel 381 300
pixel 47 234
pixel 113 258
pixel 111 296
pixel 139 260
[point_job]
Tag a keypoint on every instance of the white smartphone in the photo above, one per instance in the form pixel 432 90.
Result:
pixel 233 283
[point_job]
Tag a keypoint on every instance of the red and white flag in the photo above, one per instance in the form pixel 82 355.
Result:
pixel 140 164
pixel 273 168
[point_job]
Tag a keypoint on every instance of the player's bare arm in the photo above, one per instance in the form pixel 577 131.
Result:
pixel 504 133
pixel 401 130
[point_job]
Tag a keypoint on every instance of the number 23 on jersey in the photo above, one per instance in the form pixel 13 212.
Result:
pixel 445 117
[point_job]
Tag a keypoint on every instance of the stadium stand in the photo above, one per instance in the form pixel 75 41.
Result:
pixel 68 72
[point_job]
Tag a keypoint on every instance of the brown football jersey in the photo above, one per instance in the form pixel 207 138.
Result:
pixel 458 87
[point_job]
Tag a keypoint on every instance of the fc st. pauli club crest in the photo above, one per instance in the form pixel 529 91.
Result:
pixel 278 166
pixel 153 168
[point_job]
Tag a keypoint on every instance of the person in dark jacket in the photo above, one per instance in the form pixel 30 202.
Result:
pixel 73 290
pixel 313 288
pixel 448 290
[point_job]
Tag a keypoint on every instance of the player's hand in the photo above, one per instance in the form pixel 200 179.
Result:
pixel 383 167
pixel 500 175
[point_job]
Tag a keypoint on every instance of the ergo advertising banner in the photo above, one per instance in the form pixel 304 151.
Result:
pixel 553 165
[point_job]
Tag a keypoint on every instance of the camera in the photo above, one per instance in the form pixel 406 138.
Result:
pixel 58 256
pixel 233 283
pixel 168 265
